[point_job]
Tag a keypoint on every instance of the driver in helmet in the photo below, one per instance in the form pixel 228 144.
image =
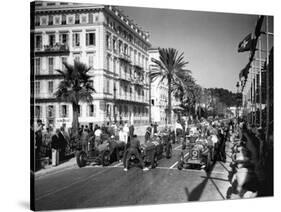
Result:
pixel 134 148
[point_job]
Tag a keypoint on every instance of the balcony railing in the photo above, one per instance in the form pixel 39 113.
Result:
pixel 138 65
pixel 125 57
pixel 56 48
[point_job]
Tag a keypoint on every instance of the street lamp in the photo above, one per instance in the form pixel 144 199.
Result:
pixel 237 86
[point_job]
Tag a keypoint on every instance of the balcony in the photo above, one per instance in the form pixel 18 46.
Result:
pixel 124 57
pixel 138 65
pixel 57 48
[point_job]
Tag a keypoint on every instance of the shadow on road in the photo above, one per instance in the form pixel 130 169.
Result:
pixel 196 193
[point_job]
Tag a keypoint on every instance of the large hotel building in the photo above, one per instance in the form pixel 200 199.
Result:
pixel 103 38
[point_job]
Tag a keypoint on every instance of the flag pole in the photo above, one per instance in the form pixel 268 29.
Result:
pixel 260 82
pixel 267 83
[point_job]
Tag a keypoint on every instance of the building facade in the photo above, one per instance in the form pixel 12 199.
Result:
pixel 104 39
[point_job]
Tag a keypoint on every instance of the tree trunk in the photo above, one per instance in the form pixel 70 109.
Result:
pixel 169 101
pixel 75 119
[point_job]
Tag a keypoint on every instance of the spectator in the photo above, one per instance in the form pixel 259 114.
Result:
pixel 147 134
pixel 63 139
pixel 126 131
pixel 115 129
pixel 55 148
pixel 84 140
pixel 47 141
pixel 38 142
pixel 131 131
pixel 98 133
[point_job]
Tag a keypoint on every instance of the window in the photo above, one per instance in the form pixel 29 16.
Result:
pixel 90 18
pixel 50 87
pixel 51 65
pixel 76 57
pixel 50 22
pixel 108 41
pixel 79 110
pixel 120 46
pixel 38 111
pixel 50 111
pixel 37 65
pixel 91 60
pixel 91 110
pixel 91 82
pixel 114 64
pixel 63 37
pixel 114 45
pixel 44 20
pixel 52 40
pixel 96 18
pixel 76 40
pixel 77 19
pixel 64 111
pixel 57 20
pixel 108 62
pixel 63 60
pixel 63 19
pixel 37 87
pixel 83 19
pixel 38 41
pixel 70 20
pixel 108 86
pixel 90 39
pixel 37 20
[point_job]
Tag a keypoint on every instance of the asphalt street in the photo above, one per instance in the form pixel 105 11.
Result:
pixel 96 186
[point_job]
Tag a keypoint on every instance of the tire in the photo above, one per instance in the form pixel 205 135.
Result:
pixel 81 159
pixel 180 165
pixel 105 158
pixel 169 151
pixel 154 158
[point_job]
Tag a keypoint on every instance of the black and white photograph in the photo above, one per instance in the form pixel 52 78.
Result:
pixel 133 106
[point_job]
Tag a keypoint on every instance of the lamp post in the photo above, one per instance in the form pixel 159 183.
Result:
pixel 237 105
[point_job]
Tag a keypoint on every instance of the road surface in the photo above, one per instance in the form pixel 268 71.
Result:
pixel 110 186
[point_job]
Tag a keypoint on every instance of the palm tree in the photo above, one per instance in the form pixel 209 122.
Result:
pixel 76 86
pixel 169 67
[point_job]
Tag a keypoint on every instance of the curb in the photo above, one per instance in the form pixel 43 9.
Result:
pixel 56 169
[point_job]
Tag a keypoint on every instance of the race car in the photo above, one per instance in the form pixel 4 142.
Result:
pixel 200 155
pixel 153 151
pixel 103 154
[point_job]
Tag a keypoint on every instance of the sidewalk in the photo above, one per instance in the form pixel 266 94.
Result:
pixel 253 146
pixel 56 169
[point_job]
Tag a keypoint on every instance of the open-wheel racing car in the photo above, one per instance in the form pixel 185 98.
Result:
pixel 200 155
pixel 153 151
pixel 103 154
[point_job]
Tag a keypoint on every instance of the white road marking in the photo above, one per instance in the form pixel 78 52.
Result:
pixel 179 146
pixel 177 161
pixel 118 164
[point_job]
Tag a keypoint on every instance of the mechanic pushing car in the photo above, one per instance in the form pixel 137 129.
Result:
pixel 133 149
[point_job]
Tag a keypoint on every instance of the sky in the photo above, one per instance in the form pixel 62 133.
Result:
pixel 209 40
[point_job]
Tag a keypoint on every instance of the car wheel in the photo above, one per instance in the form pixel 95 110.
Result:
pixel 180 165
pixel 81 159
pixel 105 158
pixel 155 161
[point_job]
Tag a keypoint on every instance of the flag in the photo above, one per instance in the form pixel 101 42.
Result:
pixel 245 44
pixel 244 72
pixel 258 26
